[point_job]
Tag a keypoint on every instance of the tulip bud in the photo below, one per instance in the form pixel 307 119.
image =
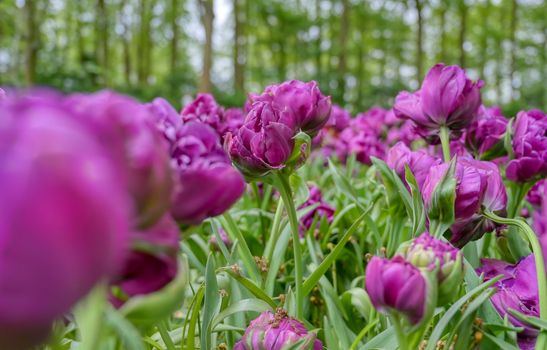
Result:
pixel 64 215
pixel 198 158
pixel 277 332
pixel 397 285
pixel 446 98
pixel 428 252
pixel 529 147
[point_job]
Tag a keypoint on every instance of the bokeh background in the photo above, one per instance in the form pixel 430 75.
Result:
pixel 361 52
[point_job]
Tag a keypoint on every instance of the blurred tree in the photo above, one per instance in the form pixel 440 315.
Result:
pixel 207 16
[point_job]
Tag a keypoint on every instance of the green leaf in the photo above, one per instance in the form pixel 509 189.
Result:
pixel 395 188
pixel 210 306
pixel 250 286
pixel 300 188
pixel 345 185
pixel 149 309
pixel 531 320
pixel 245 305
pixel 418 212
pixel 384 340
pixel 441 211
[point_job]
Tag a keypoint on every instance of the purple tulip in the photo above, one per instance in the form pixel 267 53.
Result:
pixel 276 332
pixel 446 98
pixel 405 133
pixel 535 195
pixel 478 184
pixel 232 120
pixel 265 141
pixel 360 142
pixel 486 130
pixel 517 290
pixel 64 215
pixel 205 109
pixel 167 119
pixel 309 107
pixel 339 119
pixel 372 120
pixel 529 146
pixel 323 210
pixel 198 159
pixel 151 265
pixel 397 284
pixel 128 128
pixel 418 161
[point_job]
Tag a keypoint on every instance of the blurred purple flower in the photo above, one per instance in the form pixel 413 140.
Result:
pixel 129 130
pixel 64 215
pixel 166 117
pixel 198 159
pixel 360 142
pixel 232 120
pixel 486 130
pixel 405 132
pixel 152 263
pixel 397 284
pixel 309 107
pixel 205 109
pixel 277 332
pixel 372 120
pixel 323 210
pixel 339 118
pixel 535 195
pixel 418 161
pixel 225 239
pixel 517 290
pixel 529 146
pixel 446 98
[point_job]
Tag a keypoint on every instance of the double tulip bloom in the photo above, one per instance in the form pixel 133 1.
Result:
pixel 447 98
pixel 197 157
pixel 265 142
pixel 487 130
pixel 529 147
pixel 277 331
pixel 65 214
pixel 517 290
pixel 479 186
pixel 419 162
pixel 204 109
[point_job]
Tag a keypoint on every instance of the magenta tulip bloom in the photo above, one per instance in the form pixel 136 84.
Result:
pixel 322 210
pixel 128 129
pixel 64 215
pixel 517 290
pixel 168 121
pixel 397 284
pixel 529 147
pixel 446 98
pixel 277 332
pixel 232 120
pixel 418 161
pixel 405 132
pixel 198 159
pixel 309 107
pixel 265 141
pixel 364 144
pixel 486 130
pixel 478 184
pixel 372 120
pixel 536 193
pixel 148 270
pixel 204 109
pixel 339 119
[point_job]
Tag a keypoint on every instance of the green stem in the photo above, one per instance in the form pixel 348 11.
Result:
pixel 164 333
pixel 445 142
pixel 401 338
pixel 89 317
pixel 538 255
pixel 274 234
pixel 286 195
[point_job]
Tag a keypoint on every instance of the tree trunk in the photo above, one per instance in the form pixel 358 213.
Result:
pixel 442 17
pixel 79 30
pixel 319 24
pixel 175 35
pixel 344 31
pixel 33 42
pixel 102 40
pixel 485 13
pixel 419 39
pixel 361 72
pixel 207 17
pixel 463 29
pixel 144 47
pixel 514 48
pixel 127 67
pixel 239 43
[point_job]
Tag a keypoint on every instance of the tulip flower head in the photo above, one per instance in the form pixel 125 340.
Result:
pixel 322 210
pixel 419 162
pixel 277 331
pixel 204 109
pixel 487 130
pixel 529 147
pixel 447 98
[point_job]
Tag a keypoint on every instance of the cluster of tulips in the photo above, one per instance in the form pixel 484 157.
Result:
pixel 98 191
